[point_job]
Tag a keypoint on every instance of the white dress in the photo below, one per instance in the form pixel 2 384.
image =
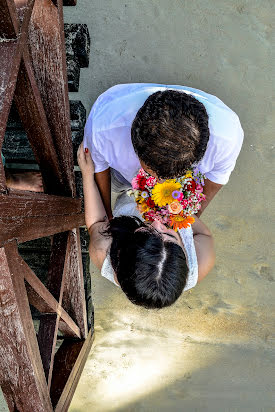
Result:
pixel 126 206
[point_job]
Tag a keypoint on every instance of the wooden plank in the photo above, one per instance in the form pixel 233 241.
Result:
pixel 30 228
pixel 3 187
pixel 10 55
pixel 32 114
pixel 49 66
pixel 66 325
pixel 70 360
pixel 43 300
pixel 47 336
pixel 8 20
pixel 22 377
pixel 74 295
pixel 55 284
pixel 27 204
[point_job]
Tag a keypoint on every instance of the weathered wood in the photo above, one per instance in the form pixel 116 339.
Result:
pixel 7 13
pixel 69 363
pixel 21 374
pixel 29 228
pixel 66 325
pixel 55 283
pixel 3 187
pixel 46 338
pixel 33 117
pixel 27 204
pixel 34 72
pixel 73 296
pixel 10 55
pixel 43 300
pixel 49 65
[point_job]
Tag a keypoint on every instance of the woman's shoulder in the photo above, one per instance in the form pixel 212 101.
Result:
pixel 100 243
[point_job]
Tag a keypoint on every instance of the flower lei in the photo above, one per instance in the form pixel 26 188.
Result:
pixel 171 202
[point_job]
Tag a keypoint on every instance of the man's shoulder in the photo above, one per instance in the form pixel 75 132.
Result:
pixel 118 106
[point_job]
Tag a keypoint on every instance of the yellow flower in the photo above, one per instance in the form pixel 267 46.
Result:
pixel 162 192
pixel 143 207
pixel 188 174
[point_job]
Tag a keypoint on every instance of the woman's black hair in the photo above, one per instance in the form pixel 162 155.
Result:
pixel 151 272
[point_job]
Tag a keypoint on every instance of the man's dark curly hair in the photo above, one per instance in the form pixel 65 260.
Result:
pixel 170 133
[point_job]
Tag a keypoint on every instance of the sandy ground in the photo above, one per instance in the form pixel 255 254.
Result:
pixel 211 351
pixel 214 349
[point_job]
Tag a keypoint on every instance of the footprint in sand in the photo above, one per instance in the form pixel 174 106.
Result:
pixel 223 222
pixel 263 271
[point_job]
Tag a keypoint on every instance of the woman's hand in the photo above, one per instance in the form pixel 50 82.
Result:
pixel 85 161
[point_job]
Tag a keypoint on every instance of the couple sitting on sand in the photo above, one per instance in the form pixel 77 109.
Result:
pixel 166 131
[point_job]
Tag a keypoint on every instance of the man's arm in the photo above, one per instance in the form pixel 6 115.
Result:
pixel 210 189
pixel 204 245
pixel 103 181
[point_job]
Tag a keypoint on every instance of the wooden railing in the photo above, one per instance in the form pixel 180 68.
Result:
pixel 35 375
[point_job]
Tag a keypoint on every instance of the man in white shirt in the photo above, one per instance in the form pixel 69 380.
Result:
pixel 165 129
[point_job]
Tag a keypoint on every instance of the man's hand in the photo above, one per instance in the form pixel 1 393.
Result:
pixel 85 161
pixel 210 189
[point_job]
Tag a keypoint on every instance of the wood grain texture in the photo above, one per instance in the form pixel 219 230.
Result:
pixel 74 296
pixel 8 20
pixel 43 300
pixel 22 377
pixel 50 72
pixel 69 363
pixel 28 204
pixel 29 228
pixel 29 105
pixel 46 338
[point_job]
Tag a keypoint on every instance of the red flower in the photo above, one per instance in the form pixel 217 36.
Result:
pixel 142 183
pixel 150 203
pixel 191 186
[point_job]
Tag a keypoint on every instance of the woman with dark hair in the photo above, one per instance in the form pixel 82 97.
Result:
pixel 150 262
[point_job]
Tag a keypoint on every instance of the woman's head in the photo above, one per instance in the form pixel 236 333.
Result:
pixel 150 266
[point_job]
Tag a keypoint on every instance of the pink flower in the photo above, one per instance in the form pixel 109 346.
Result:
pixel 135 183
pixel 151 181
pixel 164 211
pixel 199 188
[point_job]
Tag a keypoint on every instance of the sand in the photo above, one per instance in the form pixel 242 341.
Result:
pixel 214 349
pixel 211 351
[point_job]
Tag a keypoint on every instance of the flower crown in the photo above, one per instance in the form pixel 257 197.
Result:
pixel 172 202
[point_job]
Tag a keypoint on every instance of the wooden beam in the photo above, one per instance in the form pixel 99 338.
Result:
pixel 55 284
pixel 74 296
pixel 44 302
pixel 10 56
pixel 46 338
pixel 9 23
pixel 22 377
pixel 30 228
pixel 27 204
pixel 69 363
pixel 49 65
pixel 32 114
